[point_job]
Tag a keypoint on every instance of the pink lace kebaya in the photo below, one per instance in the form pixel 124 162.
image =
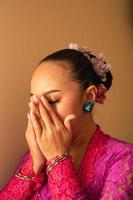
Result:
pixel 106 168
pixel 106 172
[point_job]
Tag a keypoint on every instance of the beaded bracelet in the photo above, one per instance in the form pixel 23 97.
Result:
pixel 53 162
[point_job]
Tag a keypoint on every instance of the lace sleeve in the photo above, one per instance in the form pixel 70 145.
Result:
pixel 63 182
pixel 119 179
pixel 20 189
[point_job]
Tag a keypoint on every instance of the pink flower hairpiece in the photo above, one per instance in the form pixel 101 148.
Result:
pixel 101 93
pixel 100 66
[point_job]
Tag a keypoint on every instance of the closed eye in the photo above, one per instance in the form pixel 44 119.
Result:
pixel 53 102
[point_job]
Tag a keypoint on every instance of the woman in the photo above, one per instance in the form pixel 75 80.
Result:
pixel 69 156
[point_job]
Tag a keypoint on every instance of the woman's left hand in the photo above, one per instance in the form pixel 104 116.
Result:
pixel 54 138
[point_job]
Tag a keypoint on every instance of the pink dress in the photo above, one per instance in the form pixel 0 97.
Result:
pixel 105 173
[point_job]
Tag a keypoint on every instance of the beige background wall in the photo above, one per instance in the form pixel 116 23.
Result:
pixel 31 29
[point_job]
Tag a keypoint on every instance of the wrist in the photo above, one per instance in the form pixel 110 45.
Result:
pixel 37 168
pixel 55 160
pixel 56 154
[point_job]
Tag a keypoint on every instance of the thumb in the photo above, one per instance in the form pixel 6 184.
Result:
pixel 67 121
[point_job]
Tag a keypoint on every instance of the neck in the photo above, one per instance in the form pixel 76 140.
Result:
pixel 83 134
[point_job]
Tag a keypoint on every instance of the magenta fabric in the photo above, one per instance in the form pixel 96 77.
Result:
pixel 106 172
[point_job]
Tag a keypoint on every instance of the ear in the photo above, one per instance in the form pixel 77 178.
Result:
pixel 90 93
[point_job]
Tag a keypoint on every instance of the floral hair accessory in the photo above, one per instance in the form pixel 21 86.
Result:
pixel 100 66
pixel 101 90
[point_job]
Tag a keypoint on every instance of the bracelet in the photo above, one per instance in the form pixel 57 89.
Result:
pixel 53 162
pixel 23 177
pixel 56 158
pixel 49 168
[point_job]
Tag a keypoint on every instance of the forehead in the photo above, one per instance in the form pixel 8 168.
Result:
pixel 49 75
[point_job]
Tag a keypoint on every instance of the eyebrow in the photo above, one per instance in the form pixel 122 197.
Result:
pixel 48 92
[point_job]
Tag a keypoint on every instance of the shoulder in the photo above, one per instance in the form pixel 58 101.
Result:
pixel 116 151
pixel 118 155
pixel 113 147
pixel 119 166
pixel 118 148
pixel 118 171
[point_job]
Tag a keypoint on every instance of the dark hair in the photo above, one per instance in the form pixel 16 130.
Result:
pixel 80 67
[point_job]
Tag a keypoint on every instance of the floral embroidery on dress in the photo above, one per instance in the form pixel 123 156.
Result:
pixel 94 151
pixel 105 172
pixel 18 189
pixel 65 183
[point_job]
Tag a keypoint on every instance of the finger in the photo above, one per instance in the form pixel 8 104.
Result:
pixel 36 99
pixel 29 126
pixel 51 112
pixel 36 125
pixel 67 122
pixel 31 136
pixel 45 117
pixel 30 130
pixel 34 108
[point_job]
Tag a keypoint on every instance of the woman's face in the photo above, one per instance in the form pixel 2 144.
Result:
pixel 64 95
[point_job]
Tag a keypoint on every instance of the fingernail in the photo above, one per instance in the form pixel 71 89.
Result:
pixel 34 97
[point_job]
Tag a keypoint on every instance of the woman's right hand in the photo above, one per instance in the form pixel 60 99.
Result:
pixel 39 159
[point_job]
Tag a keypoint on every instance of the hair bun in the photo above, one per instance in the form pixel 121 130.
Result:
pixel 100 65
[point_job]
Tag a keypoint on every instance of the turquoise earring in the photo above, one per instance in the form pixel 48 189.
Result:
pixel 87 107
